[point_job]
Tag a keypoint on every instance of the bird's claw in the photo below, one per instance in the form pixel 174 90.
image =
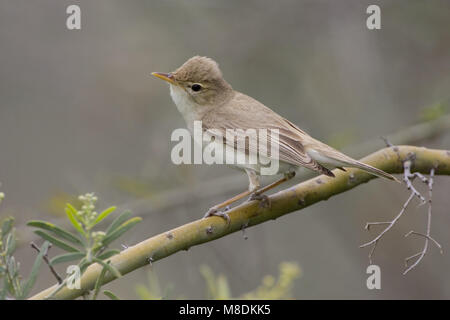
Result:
pixel 215 212
pixel 264 199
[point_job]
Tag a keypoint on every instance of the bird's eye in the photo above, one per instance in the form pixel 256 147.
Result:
pixel 196 87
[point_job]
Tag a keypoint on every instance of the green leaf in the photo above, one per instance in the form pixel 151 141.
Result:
pixel 110 295
pixel 7 225
pixel 72 214
pixel 109 267
pixel 56 230
pixel 120 230
pixel 98 283
pixel 10 244
pixel 104 214
pixel 118 221
pixel 67 257
pixel 34 271
pixel 108 254
pixel 4 289
pixel 59 243
pixel 84 264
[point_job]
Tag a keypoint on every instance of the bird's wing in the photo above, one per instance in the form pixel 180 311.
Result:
pixel 337 158
pixel 244 113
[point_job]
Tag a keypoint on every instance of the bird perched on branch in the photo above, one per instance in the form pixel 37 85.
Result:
pixel 201 94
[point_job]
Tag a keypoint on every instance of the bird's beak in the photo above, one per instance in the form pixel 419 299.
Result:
pixel 165 76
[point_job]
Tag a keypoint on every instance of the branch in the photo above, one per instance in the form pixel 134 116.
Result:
pixel 165 201
pixel 292 199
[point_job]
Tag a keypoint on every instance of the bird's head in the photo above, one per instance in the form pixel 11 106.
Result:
pixel 200 80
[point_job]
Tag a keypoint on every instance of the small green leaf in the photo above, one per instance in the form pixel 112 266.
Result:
pixel 110 295
pixel 59 243
pixel 104 214
pixel 120 230
pixel 98 283
pixel 71 256
pixel 108 254
pixel 56 230
pixel 72 210
pixel 34 271
pixel 12 267
pixel 84 264
pixel 118 221
pixel 72 214
pixel 109 267
pixel 10 244
pixel 4 288
pixel 7 225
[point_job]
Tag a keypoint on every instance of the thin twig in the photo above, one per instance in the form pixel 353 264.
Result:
pixel 408 178
pixel 387 142
pixel 427 236
pixel 374 242
pixel 45 257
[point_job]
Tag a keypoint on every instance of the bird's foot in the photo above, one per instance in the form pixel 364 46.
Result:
pixel 264 200
pixel 216 212
pixel 290 174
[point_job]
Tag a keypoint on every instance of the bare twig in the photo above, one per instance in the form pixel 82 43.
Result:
pixel 387 142
pixel 427 236
pixel 374 242
pixel 45 257
pixel 408 178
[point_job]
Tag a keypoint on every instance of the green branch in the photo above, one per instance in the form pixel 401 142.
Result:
pixel 249 214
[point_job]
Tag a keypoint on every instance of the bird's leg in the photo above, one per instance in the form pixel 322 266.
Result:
pixel 215 211
pixel 254 184
pixel 265 201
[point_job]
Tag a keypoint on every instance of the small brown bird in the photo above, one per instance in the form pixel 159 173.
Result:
pixel 201 94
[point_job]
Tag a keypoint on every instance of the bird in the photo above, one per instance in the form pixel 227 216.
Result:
pixel 201 93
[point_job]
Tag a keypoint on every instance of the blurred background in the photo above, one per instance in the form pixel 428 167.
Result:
pixel 79 112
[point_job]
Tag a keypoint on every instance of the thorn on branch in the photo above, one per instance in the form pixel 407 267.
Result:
pixel 244 226
pixel 45 258
pixel 387 142
pixel 351 178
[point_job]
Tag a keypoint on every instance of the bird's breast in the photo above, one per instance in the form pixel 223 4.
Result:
pixel 185 105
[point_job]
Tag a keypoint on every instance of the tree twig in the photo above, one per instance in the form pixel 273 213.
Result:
pixel 408 178
pixel 45 258
pixel 426 236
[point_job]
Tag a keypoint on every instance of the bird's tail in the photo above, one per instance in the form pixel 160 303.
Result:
pixel 373 170
pixel 330 157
